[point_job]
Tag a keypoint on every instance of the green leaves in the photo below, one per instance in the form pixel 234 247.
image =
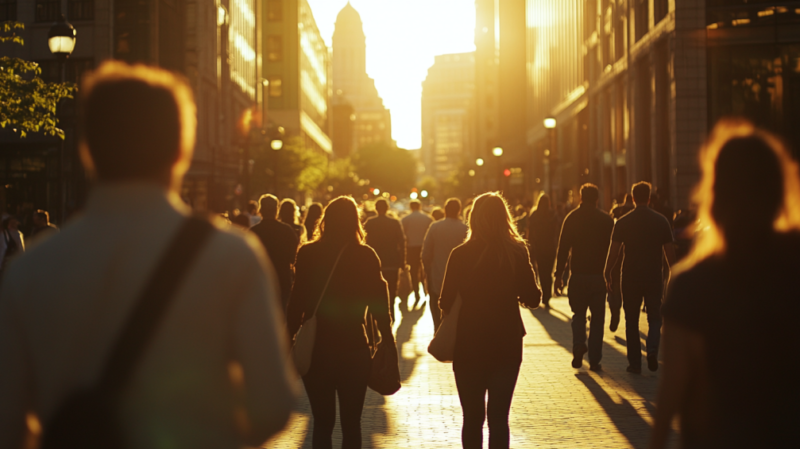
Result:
pixel 9 32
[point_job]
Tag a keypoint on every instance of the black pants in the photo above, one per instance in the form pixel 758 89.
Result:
pixel 436 313
pixel 544 265
pixel 347 375
pixel 414 259
pixel 615 297
pixel 473 381
pixel 632 296
pixel 391 276
pixel 588 292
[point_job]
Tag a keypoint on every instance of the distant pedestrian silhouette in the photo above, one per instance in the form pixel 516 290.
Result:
pixel 288 213
pixel 415 226
pixel 280 241
pixel 385 236
pixel 311 222
pixel 492 274
pixel 543 230
pixel 730 330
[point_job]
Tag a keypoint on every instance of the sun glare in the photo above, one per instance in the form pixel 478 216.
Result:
pixel 403 36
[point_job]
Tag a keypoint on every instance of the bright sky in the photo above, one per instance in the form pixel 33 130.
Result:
pixel 403 36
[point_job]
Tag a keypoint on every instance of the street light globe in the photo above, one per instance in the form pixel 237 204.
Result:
pixel 424 193
pixel 479 162
pixel 414 195
pixel 61 38
pixel 497 151
pixel 550 123
pixel 471 172
pixel 376 192
pixel 276 144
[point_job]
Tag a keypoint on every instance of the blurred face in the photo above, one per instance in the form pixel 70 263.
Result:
pixel 38 221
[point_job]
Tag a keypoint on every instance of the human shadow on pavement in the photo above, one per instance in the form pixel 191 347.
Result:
pixel 625 417
pixel 408 320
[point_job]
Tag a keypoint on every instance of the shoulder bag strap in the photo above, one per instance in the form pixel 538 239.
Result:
pixel 153 303
pixel 328 281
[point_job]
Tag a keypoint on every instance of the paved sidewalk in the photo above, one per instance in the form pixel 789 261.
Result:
pixel 555 406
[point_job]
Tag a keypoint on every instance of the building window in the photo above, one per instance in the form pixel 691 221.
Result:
pixel 274 10
pixel 274 48
pixel 48 10
pixel 275 87
pixel 641 24
pixel 80 9
pixel 8 10
pixel 660 10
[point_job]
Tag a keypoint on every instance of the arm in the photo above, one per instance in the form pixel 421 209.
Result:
pixel 683 349
pixel 669 252
pixel 611 259
pixel 427 252
pixel 450 284
pixel 301 294
pixel 401 245
pixel 378 300
pixel 564 247
pixel 15 377
pixel 527 290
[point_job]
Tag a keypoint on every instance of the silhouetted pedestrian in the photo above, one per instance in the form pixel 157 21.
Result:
pixel 66 303
pixel 385 236
pixel 281 243
pixel 41 225
pixel 615 297
pixel 644 237
pixel 288 213
pixel 341 361
pixel 442 237
pixel 542 234
pixel 584 246
pixel 415 226
pixel 437 214
pixel 311 222
pixel 12 243
pixel 492 274
pixel 252 213
pixel 730 371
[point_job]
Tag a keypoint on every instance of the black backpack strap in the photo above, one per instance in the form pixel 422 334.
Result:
pixel 153 303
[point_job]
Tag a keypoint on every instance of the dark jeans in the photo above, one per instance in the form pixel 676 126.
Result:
pixel 588 292
pixel 391 276
pixel 436 312
pixel 345 374
pixel 414 259
pixel 473 381
pixel 632 296
pixel 545 269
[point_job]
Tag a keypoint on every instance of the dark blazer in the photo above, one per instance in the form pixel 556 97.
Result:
pixel 356 285
pixel 543 234
pixel 490 328
pixel 281 243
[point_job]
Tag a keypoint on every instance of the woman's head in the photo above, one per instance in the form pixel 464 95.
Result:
pixel 288 211
pixel 543 203
pixel 340 221
pixel 491 221
pixel 313 214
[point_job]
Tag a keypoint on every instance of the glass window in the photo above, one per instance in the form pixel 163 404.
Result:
pixel 80 9
pixel 48 10
pixel 275 87
pixel 274 10
pixel 274 48
pixel 660 10
pixel 8 10
pixel 642 18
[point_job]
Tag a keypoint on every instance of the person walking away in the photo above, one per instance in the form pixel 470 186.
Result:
pixel 64 303
pixel 437 214
pixel 730 375
pixel 288 214
pixel 313 214
pixel 385 236
pixel 542 234
pixel 644 237
pixel 341 362
pixel 42 225
pixel 492 274
pixel 280 241
pixel 12 242
pixel 615 297
pixel 440 240
pixel 583 246
pixel 415 226
pixel 252 213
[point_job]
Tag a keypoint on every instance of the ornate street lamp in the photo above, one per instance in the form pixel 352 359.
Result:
pixel 61 38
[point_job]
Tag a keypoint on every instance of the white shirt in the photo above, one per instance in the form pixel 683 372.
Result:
pixel 442 237
pixel 416 225
pixel 63 303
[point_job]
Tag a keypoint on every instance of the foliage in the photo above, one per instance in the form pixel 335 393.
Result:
pixel 27 103
pixel 388 168
pixel 293 168
pixel 459 183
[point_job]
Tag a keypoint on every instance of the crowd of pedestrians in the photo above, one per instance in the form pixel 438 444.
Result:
pixel 215 308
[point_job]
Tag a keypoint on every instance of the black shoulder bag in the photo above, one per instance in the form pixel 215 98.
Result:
pixel 87 419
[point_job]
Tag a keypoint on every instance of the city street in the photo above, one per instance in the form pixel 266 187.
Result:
pixel 555 406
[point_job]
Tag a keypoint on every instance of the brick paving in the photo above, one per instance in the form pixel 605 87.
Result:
pixel 555 405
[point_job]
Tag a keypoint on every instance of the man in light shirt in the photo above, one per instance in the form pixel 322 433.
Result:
pixel 442 237
pixel 415 226
pixel 218 358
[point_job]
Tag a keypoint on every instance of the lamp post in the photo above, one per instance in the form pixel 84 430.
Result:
pixel 549 124
pixel 61 40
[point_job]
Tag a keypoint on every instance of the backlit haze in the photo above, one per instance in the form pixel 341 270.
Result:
pixel 403 36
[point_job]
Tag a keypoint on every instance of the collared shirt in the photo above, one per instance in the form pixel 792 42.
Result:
pixel 643 233
pixel 442 237
pixel 385 236
pixel 63 303
pixel 584 241
pixel 416 225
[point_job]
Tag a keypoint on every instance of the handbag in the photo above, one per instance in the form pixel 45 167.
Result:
pixel 384 376
pixel 88 419
pixel 307 334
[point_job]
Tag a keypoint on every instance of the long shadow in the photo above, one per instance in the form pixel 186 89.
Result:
pixel 629 422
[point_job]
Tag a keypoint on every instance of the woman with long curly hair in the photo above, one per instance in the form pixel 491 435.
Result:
pixel 730 318
pixel 492 274
pixel 341 360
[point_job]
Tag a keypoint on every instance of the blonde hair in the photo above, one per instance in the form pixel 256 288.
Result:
pixel 490 221
pixel 711 240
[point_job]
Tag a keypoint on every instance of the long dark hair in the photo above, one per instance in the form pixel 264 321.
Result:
pixel 341 222
pixel 490 221
pixel 313 214
pixel 288 211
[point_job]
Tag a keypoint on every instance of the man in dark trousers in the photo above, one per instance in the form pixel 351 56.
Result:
pixel 615 297
pixel 385 236
pixel 281 243
pixel 584 244
pixel 645 238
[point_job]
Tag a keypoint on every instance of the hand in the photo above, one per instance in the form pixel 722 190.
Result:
pixel 558 284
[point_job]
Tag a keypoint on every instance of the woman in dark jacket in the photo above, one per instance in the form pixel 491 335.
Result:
pixel 313 214
pixel 543 229
pixel 288 214
pixel 341 359
pixel 492 274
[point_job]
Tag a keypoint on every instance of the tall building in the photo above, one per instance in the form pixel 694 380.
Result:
pixel 635 86
pixel 448 115
pixel 371 121
pixel 296 67
pixel 212 44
